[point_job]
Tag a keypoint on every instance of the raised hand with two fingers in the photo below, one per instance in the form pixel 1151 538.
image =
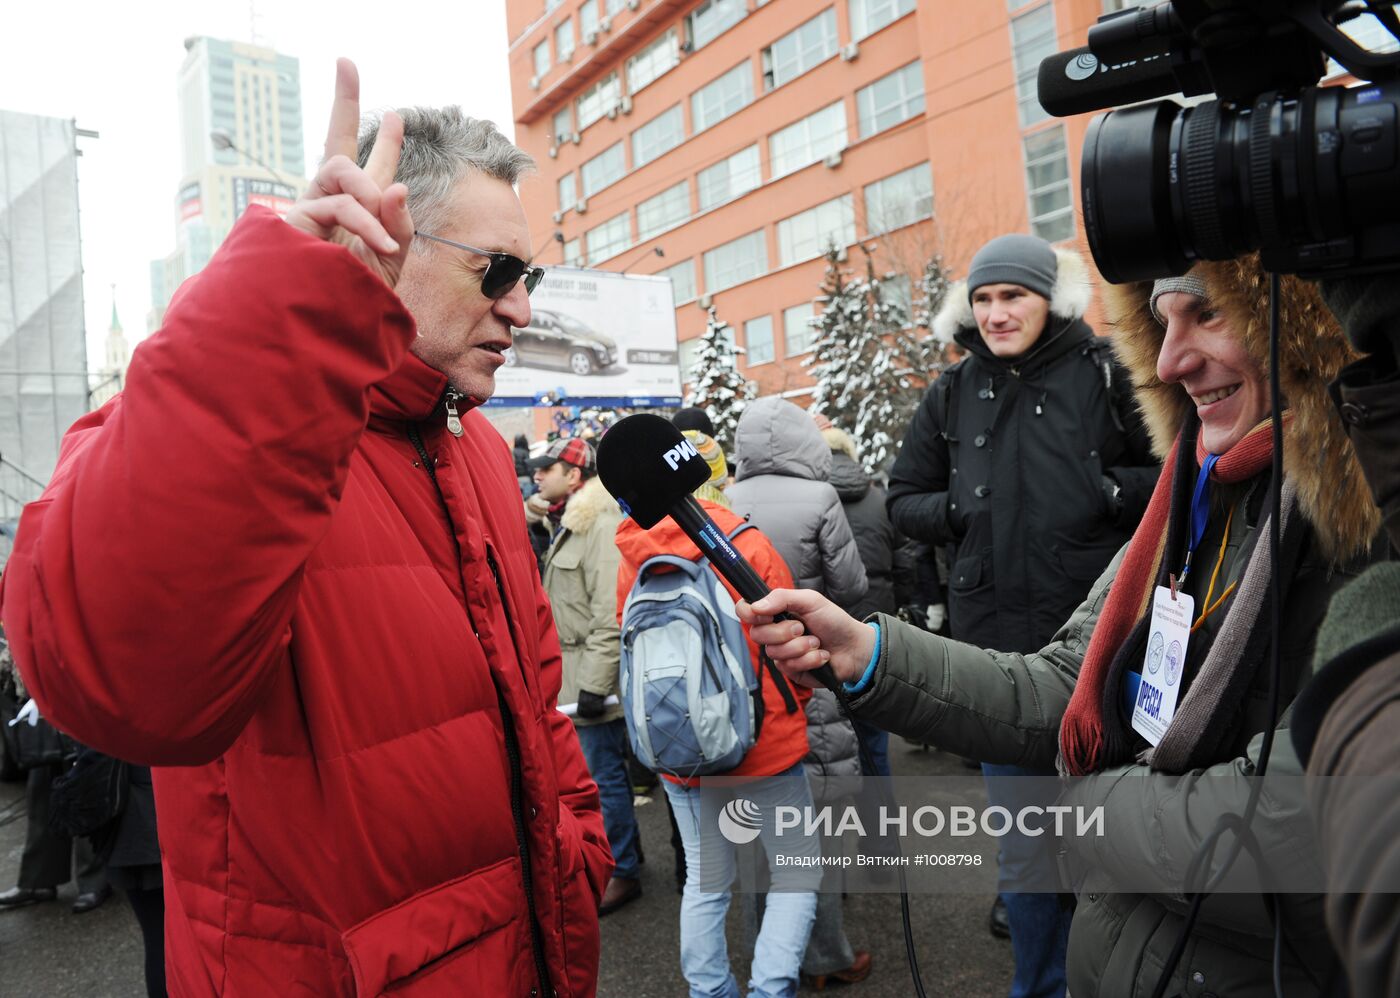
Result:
pixel 361 208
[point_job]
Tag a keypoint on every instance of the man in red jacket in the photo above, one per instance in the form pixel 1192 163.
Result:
pixel 288 566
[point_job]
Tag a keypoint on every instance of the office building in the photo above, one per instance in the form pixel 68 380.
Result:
pixel 739 137
pixel 250 98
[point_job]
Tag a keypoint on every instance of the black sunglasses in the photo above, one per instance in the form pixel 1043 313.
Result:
pixel 502 273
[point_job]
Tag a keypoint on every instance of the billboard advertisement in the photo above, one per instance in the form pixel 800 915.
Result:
pixel 595 338
pixel 250 190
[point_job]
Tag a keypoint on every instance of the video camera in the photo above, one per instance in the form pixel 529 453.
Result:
pixel 1307 175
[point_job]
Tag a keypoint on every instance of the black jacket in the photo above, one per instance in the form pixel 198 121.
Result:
pixel 878 542
pixel 1006 462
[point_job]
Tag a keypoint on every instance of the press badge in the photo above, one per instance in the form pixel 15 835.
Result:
pixel 1162 666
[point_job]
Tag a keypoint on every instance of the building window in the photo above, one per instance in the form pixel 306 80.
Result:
pixel 899 290
pixel 1032 39
pixel 891 99
pixel 869 16
pixel 564 40
pixel 721 97
pixel 598 100
pixel 1047 185
pixel 798 334
pixel 551 4
pixel 658 136
pixel 655 60
pixel 603 169
pixel 799 50
pixel 615 6
pixel 807 141
pixel 758 340
pixel 899 200
pixel 808 234
pixel 568 193
pixel 657 214
pixel 563 125
pixel 588 20
pixel 710 19
pixel 682 277
pixel 735 262
pixel 573 255
pixel 729 178
pixel 541 59
pixel 609 239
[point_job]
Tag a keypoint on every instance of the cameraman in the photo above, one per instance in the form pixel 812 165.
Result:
pixel 1197 349
pixel 1347 722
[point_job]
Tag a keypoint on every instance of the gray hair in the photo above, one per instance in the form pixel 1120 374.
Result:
pixel 439 146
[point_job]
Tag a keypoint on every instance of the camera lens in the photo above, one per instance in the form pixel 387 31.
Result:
pixel 1309 180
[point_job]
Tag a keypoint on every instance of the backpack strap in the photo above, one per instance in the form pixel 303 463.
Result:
pixel 789 701
pixel 948 389
pixel 1094 350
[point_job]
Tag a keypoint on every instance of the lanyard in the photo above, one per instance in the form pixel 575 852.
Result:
pixel 1200 510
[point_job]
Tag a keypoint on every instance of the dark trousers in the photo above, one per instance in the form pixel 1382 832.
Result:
pixel 149 907
pixel 47 860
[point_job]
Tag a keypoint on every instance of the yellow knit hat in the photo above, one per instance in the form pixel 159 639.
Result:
pixel 711 454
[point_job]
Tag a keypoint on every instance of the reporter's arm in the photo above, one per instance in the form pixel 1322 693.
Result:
pixel 986 705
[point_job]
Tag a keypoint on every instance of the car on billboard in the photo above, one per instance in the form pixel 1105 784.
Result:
pixel 554 339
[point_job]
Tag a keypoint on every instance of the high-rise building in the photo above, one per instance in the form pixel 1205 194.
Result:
pixel 740 136
pixel 43 342
pixel 240 144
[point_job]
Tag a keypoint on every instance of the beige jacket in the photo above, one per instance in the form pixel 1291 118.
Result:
pixel 580 578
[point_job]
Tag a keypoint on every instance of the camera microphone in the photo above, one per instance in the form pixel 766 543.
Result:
pixel 1077 81
pixel 651 469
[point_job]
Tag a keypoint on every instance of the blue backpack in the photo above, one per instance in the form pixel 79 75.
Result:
pixel 690 694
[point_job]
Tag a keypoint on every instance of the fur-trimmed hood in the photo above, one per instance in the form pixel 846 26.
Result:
pixel 586 505
pixel 1069 299
pixel 1318 457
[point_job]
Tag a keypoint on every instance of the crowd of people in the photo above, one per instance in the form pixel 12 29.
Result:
pixel 415 635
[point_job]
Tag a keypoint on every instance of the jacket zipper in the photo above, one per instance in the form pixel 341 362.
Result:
pixel 517 807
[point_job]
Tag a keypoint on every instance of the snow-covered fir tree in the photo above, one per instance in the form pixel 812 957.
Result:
pixel 871 361
pixel 715 382
pixel 833 361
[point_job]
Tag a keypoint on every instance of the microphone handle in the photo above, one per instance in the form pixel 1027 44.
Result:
pixel 714 544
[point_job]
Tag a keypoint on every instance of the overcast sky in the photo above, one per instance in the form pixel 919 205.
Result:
pixel 113 67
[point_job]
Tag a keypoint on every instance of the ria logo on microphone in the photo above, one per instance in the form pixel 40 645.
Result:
pixel 682 452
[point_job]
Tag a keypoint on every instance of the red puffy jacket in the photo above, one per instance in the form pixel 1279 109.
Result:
pixel 269 569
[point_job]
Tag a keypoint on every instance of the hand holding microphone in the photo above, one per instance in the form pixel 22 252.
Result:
pixel 651 470
pixel 825 636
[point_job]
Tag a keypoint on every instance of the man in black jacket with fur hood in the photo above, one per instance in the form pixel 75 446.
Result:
pixel 1029 460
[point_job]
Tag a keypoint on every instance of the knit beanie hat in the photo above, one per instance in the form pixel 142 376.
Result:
pixel 1190 283
pixel 1015 259
pixel 693 418
pixel 710 452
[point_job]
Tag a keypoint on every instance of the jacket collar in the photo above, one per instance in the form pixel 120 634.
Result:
pixel 411 394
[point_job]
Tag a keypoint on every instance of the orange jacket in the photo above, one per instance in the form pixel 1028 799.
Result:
pixel 782 741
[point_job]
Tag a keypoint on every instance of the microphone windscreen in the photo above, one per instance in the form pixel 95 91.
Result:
pixel 648 466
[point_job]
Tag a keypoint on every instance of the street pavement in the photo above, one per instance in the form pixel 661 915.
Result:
pixel 48 952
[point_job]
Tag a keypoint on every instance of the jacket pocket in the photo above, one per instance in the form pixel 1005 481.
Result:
pixel 462 937
pixel 567 594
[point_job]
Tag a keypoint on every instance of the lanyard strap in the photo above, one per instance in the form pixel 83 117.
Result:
pixel 1200 509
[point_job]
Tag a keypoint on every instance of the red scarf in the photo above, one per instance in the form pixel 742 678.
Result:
pixel 1082 730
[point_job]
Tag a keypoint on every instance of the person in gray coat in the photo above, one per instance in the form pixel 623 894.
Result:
pixel 781 487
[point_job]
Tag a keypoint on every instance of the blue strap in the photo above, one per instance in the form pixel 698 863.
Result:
pixel 1200 509
pixel 863 683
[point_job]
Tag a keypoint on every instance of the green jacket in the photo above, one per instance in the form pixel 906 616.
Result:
pixel 580 578
pixel 1007 708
